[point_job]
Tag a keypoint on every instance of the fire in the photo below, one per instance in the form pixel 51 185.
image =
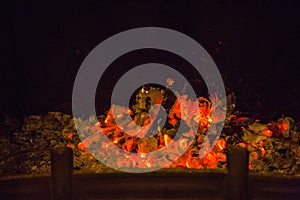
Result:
pixel 148 164
pixel 263 151
pixel 254 155
pixel 132 143
pixel 70 135
pixel 200 114
pixel 167 139
pixel 116 140
pixel 81 146
pixel 221 144
pixel 267 132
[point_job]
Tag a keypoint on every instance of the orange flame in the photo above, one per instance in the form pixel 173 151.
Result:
pixel 167 139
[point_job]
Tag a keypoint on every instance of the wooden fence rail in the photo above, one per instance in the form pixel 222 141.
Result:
pixel 237 188
pixel 164 184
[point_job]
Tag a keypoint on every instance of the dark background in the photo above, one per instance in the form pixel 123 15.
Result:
pixel 255 46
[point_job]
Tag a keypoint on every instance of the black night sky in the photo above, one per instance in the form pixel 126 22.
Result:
pixel 255 46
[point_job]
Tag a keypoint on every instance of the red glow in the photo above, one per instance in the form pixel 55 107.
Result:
pixel 172 121
pixel 263 151
pixel 131 142
pixel 284 127
pixel 80 146
pixel 267 132
pixel 221 144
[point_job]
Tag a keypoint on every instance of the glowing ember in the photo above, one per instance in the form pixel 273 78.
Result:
pixel 251 134
pixel 131 142
pixel 267 132
pixel 167 139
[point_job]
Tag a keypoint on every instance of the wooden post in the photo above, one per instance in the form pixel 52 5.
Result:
pixel 61 173
pixel 237 161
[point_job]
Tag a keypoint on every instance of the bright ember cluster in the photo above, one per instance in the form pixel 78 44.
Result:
pixel 199 113
pixel 274 146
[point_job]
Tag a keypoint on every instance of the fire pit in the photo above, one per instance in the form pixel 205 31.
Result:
pixel 273 148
